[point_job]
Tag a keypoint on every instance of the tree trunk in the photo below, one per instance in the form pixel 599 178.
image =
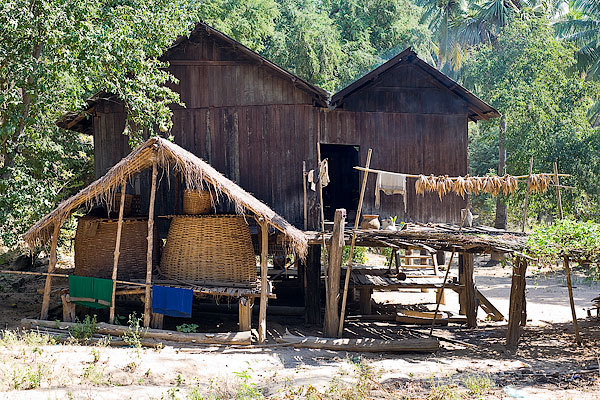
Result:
pixel 500 221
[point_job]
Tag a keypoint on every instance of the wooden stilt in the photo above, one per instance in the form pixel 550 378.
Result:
pixel 264 284
pixel 245 306
pixel 470 291
pixel 68 309
pixel 527 194
pixel 336 250
pixel 461 281
pixel 441 294
pixel 513 332
pixel 312 294
pixel 157 321
pixel 571 301
pixel 111 318
pixel 148 295
pixel 365 300
pixel 51 267
pixel 353 242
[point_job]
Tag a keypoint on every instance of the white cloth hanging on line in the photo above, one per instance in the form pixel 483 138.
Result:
pixel 390 183
pixel 311 180
pixel 324 173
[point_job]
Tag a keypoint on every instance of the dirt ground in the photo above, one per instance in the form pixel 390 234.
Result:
pixel 546 365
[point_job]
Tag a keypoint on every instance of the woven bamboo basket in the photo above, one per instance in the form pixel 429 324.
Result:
pixel 197 202
pixel 95 245
pixel 209 249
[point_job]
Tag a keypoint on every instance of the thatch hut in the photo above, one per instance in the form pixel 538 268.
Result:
pixel 196 175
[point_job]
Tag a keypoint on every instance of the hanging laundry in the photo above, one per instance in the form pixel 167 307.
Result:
pixel 174 302
pixel 311 180
pixel 390 183
pixel 324 173
pixel 90 292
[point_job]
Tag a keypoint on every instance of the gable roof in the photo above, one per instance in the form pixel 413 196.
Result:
pixel 478 109
pixel 196 174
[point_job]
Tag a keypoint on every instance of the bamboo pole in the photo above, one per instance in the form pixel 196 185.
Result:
pixel 51 267
pixel 527 194
pixel 322 211
pixel 353 242
pixel 453 178
pixel 571 301
pixel 558 197
pixel 304 189
pixel 148 295
pixel 264 250
pixel 111 317
pixel 441 293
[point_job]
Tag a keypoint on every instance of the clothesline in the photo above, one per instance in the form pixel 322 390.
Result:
pixel 450 178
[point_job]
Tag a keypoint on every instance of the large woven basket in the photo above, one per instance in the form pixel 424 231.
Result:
pixel 197 202
pixel 209 249
pixel 95 245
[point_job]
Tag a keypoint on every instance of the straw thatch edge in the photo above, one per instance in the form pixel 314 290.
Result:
pixel 195 173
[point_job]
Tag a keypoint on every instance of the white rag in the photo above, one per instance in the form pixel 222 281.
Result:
pixel 311 180
pixel 390 183
pixel 324 173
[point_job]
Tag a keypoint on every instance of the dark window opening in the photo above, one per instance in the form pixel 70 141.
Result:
pixel 343 189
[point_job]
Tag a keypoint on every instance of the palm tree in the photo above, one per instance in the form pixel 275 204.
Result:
pixel 442 16
pixel 580 24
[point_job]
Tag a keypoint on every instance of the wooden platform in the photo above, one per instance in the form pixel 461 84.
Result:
pixel 378 281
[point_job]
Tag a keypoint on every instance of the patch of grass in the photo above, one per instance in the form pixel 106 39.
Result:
pixel 133 334
pixel 247 390
pixel 444 392
pixel 11 339
pixel 187 328
pixel 28 378
pixel 479 385
pixel 96 375
pixel 84 330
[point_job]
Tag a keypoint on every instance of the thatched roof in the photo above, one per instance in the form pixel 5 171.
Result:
pixel 196 175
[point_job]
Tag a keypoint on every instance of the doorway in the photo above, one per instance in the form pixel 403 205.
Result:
pixel 343 189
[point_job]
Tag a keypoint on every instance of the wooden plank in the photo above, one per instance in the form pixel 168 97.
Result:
pixel 148 294
pixel 489 308
pixel 362 345
pixel 336 250
pixel 245 306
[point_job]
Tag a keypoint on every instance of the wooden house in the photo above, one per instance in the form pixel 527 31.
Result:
pixel 257 123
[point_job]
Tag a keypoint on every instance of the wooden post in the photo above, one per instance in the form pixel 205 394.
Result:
pixel 461 281
pixel 312 294
pixel 516 303
pixel 51 267
pixel 148 295
pixel 353 242
pixel 322 206
pixel 570 287
pixel 157 321
pixel 245 313
pixel 527 194
pixel 264 284
pixel 68 309
pixel 441 294
pixel 111 318
pixel 336 250
pixel 470 296
pixel 365 300
pixel 304 191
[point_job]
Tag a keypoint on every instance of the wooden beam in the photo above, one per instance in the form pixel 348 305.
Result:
pixel 527 194
pixel 353 243
pixel 111 318
pixel 489 308
pixel 571 301
pixel 305 204
pixel 264 285
pixel 336 250
pixel 148 295
pixel 513 332
pixel 51 267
